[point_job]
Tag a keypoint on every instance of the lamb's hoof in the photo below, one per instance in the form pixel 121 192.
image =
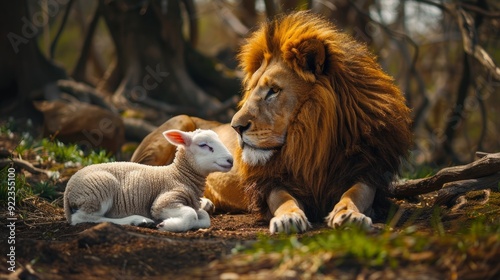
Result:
pixel 139 221
pixel 207 205
pixel 147 224
pixel 161 226
pixel 171 227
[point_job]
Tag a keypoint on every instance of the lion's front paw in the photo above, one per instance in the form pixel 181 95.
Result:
pixel 293 222
pixel 342 215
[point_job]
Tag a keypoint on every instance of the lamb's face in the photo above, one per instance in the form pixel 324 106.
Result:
pixel 203 148
pixel 209 152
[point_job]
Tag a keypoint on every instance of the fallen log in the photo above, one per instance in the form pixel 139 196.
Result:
pixel 451 191
pixel 482 172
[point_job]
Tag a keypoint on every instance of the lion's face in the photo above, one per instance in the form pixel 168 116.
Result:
pixel 272 98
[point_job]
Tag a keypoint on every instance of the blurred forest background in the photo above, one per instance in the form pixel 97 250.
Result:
pixel 103 73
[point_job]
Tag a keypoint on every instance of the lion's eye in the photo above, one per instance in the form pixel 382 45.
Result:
pixel 272 91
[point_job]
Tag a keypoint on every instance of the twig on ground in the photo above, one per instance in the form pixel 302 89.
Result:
pixel 25 165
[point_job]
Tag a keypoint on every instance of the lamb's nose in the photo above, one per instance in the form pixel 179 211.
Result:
pixel 230 161
pixel 241 128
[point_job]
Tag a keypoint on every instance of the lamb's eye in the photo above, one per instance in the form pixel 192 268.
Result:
pixel 206 146
pixel 272 91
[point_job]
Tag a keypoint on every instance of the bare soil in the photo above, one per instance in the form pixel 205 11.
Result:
pixel 47 247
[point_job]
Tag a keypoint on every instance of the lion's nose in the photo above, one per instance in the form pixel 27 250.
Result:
pixel 241 128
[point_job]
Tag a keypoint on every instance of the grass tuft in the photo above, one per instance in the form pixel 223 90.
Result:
pixel 45 153
pixel 45 189
pixel 22 189
pixel 353 247
pixel 71 153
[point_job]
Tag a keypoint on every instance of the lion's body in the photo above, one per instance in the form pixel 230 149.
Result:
pixel 320 123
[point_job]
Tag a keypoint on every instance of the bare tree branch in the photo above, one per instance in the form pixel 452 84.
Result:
pixel 271 9
pixel 79 70
pixel 485 166
pixel 85 93
pixel 452 190
pixel 164 107
pixel 484 119
pixel 470 39
pixel 477 9
pixel 61 28
pixel 232 21
pixel 468 28
pixel 26 165
pixel 193 21
pixel 456 115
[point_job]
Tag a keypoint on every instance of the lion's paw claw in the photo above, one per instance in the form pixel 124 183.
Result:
pixel 289 223
pixel 337 219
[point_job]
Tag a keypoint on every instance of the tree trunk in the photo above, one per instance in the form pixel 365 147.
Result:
pixel 25 74
pixel 151 55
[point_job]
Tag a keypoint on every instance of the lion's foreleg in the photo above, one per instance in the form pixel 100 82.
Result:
pixel 353 203
pixel 288 216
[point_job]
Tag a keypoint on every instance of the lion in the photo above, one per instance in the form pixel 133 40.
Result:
pixel 319 135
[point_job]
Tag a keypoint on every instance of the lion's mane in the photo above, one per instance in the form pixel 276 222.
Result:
pixel 353 127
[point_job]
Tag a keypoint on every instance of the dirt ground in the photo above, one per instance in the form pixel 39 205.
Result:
pixel 49 248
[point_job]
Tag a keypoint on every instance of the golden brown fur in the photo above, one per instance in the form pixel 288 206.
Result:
pixel 353 126
pixel 337 125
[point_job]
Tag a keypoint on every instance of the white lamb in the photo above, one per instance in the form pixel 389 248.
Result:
pixel 132 193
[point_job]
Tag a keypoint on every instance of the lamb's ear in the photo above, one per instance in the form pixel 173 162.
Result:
pixel 308 55
pixel 177 137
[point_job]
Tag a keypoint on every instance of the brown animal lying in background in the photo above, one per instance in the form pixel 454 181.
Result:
pixel 85 124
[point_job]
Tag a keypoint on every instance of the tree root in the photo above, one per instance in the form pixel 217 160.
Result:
pixel 452 190
pixel 452 182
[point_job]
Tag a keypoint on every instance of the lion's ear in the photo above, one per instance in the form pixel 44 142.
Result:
pixel 309 55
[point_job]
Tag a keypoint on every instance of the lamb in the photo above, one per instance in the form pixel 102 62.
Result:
pixel 133 193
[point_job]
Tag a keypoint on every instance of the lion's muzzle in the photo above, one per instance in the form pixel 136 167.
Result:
pixel 241 128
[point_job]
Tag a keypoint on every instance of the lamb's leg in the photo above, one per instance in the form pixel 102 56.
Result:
pixel 177 218
pixel 81 216
pixel 134 220
pixel 203 219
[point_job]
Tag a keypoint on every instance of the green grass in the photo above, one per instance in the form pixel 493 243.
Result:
pixel 22 189
pixel 64 153
pixel 355 247
pixel 51 154
pixel 412 171
pixel 343 246
pixel 45 189
pixel 48 149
